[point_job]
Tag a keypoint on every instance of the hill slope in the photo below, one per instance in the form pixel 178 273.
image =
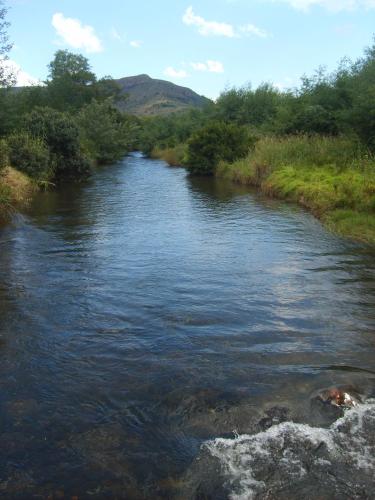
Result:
pixel 148 96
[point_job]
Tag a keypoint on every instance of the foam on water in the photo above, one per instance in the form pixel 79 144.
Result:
pixel 289 453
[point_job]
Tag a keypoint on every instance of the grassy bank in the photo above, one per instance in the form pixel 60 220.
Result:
pixel 16 190
pixel 329 176
pixel 175 157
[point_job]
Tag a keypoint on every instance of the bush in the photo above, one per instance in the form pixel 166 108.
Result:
pixel 4 154
pixel 29 155
pixel 105 133
pixel 216 142
pixel 61 135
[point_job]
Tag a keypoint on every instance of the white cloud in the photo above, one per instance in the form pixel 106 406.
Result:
pixel 210 66
pixel 175 73
pixel 199 66
pixel 251 29
pixel 23 79
pixel 207 28
pixel 136 44
pixel 75 34
pixel 332 5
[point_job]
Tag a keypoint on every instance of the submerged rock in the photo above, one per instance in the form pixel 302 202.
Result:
pixel 290 461
pixel 330 404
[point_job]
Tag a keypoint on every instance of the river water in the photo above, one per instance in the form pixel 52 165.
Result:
pixel 165 337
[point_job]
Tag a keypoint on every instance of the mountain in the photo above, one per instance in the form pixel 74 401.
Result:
pixel 148 96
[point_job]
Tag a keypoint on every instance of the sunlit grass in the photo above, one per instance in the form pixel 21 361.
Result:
pixel 330 176
pixel 16 189
pixel 173 156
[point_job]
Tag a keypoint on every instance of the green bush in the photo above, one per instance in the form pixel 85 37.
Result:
pixel 29 155
pixel 4 154
pixel 105 133
pixel 60 133
pixel 216 142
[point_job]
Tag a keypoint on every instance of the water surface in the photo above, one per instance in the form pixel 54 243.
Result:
pixel 146 313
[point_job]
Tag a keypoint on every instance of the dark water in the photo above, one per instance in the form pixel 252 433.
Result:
pixel 146 314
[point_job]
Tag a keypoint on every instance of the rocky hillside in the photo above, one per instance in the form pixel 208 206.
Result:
pixel 148 96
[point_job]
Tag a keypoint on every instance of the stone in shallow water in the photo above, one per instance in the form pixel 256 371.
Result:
pixel 330 404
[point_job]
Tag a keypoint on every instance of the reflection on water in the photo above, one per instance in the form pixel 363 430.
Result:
pixel 145 313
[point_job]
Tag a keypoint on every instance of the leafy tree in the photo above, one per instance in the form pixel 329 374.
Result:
pixel 7 78
pixel 70 81
pixel 105 133
pixel 361 115
pixel 216 142
pixel 15 104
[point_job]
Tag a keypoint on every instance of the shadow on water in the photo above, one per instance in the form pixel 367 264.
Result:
pixel 146 313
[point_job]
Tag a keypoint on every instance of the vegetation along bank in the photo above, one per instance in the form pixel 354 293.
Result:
pixel 313 145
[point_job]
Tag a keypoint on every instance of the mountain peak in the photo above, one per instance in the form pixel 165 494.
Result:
pixel 149 96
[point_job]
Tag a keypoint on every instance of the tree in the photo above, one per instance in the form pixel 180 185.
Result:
pixel 74 66
pixel 71 83
pixel 7 78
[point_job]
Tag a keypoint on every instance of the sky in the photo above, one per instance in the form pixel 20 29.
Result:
pixel 208 45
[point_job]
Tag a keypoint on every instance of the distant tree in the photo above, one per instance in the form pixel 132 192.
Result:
pixel 70 83
pixel 74 66
pixel 7 77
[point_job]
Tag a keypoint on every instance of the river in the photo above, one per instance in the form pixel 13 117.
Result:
pixel 163 336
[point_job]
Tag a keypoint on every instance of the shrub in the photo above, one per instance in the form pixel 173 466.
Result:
pixel 61 135
pixel 216 142
pixel 105 133
pixel 4 154
pixel 29 155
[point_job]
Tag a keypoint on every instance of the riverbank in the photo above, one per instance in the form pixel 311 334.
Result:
pixel 174 156
pixel 328 176
pixel 325 175
pixel 16 191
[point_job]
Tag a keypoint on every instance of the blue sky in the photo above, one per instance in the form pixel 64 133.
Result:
pixel 206 45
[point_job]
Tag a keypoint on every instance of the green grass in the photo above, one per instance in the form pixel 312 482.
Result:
pixel 329 176
pixel 357 225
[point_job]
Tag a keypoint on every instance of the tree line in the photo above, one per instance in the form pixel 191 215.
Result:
pixel 336 104
pixel 60 128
